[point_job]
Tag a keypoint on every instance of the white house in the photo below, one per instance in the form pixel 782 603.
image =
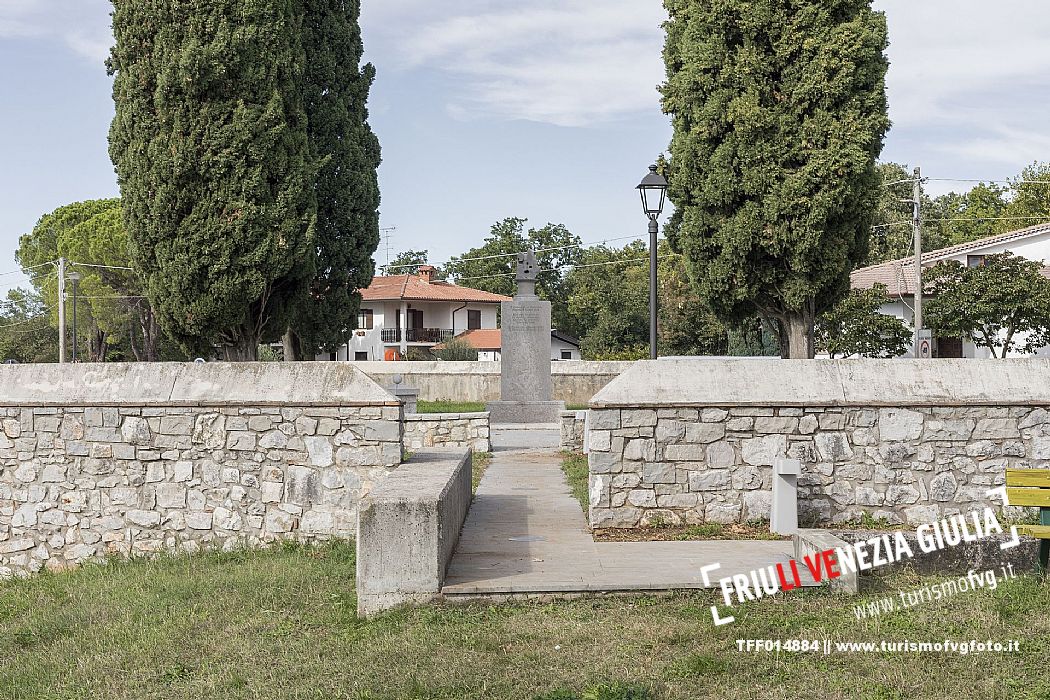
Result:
pixel 489 344
pixel 399 312
pixel 899 277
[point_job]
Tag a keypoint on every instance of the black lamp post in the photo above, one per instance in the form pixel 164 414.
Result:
pixel 74 277
pixel 653 190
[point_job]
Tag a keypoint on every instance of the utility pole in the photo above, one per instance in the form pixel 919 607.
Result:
pixel 917 230
pixel 923 347
pixel 61 310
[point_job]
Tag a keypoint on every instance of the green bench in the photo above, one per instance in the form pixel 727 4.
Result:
pixel 1031 487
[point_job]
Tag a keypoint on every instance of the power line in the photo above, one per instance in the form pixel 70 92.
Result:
pixel 102 267
pixel 31 267
pixel 573 267
pixel 965 219
pixel 511 255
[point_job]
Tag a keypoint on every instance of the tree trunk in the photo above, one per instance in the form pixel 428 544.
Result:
pixel 241 346
pixel 291 346
pixel 798 328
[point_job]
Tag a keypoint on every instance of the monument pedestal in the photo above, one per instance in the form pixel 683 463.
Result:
pixel 524 411
pixel 526 388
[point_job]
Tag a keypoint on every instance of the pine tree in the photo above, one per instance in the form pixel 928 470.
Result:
pixel 212 155
pixel 779 113
pixel 336 94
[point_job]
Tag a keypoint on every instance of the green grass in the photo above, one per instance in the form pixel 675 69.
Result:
pixel 281 624
pixel 480 462
pixel 449 407
pixel 577 473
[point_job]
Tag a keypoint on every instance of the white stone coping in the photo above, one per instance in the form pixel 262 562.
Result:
pixel 558 367
pixel 336 384
pixel 437 417
pixel 854 382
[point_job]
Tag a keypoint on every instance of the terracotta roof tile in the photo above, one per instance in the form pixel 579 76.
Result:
pixel 482 338
pixel 899 275
pixel 415 288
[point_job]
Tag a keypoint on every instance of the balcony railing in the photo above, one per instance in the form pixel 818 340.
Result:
pixel 418 335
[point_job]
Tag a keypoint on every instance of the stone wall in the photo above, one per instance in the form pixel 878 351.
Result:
pixel 160 462
pixel 572 427
pixel 704 452
pixel 575 381
pixel 425 430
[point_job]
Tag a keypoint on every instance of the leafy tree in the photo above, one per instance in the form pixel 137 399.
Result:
pixel 779 112
pixel 26 333
pixel 608 306
pixel 336 93
pixel 408 263
pixel 114 319
pixel 855 327
pixel 1003 305
pixel 213 157
pixel 1030 198
pixel 492 265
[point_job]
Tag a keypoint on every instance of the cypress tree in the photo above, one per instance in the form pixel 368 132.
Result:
pixel 212 156
pixel 336 90
pixel 779 113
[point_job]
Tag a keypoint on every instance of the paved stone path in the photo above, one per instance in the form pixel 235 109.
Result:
pixel 525 533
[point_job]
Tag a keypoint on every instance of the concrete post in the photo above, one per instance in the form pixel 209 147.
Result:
pixel 783 518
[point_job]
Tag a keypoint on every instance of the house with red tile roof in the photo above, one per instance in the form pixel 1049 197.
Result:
pixel 899 277
pixel 489 344
pixel 401 312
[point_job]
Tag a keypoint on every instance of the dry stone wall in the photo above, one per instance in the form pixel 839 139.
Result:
pixel 425 430
pixel 905 441
pixel 909 464
pixel 81 482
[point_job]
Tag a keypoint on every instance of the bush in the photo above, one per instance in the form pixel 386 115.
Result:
pixel 458 350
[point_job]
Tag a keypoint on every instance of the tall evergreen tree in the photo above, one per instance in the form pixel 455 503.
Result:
pixel 212 155
pixel 779 112
pixel 336 90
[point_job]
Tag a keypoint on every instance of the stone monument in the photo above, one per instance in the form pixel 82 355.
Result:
pixel 526 389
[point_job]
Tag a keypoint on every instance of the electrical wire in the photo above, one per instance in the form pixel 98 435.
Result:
pixel 102 267
pixel 31 267
pixel 571 267
pixel 511 255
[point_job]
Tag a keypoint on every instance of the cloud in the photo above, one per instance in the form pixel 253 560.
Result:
pixel 570 63
pixel 82 25
pixel 968 82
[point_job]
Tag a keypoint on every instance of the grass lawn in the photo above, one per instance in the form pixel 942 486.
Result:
pixel 480 462
pixel 577 473
pixel 449 407
pixel 281 624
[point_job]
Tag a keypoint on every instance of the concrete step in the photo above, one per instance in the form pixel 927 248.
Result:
pixel 518 436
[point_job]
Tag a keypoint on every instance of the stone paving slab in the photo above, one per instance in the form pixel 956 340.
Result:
pixel 525 533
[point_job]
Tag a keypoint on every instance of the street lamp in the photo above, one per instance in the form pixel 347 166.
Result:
pixel 74 277
pixel 653 189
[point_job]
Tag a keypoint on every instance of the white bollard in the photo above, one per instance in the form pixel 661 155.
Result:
pixel 783 518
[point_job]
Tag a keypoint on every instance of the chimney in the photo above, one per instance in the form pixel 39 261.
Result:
pixel 427 273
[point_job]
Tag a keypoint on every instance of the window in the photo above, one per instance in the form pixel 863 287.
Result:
pixel 331 357
pixel 974 261
pixel 365 319
pixel 566 354
pixel 360 357
pixel 473 320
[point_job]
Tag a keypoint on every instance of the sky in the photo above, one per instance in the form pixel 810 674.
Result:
pixel 541 109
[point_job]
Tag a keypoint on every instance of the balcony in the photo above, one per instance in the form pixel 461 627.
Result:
pixel 418 335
